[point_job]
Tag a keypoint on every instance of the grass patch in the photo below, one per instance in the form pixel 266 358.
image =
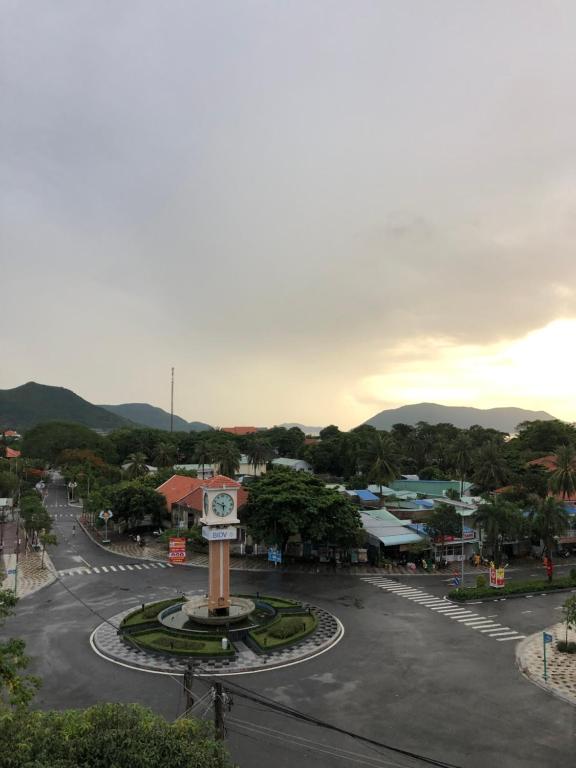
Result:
pixel 275 602
pixel 285 630
pixel 157 640
pixel 149 613
pixel 514 588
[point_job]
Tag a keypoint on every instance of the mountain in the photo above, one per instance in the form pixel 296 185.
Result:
pixel 312 431
pixel 503 419
pixel 155 418
pixel 24 407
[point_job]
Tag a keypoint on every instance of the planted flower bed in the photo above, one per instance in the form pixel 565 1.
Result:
pixel 513 588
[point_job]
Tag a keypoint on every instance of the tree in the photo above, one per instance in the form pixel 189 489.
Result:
pixel 136 465
pixel 259 452
pixel 491 469
pixel 545 436
pixel 380 459
pixel 499 519
pixel 119 735
pixel 203 453
pixel 165 454
pixel 563 479
pixel 444 521
pixel 462 454
pixel 16 689
pixel 47 441
pixel 35 516
pixel 47 538
pixel 549 520
pixel 131 502
pixel 569 614
pixel 284 503
pixel 227 455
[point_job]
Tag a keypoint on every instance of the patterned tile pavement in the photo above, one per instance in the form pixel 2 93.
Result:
pixel 31 575
pixel 561 667
pixel 106 641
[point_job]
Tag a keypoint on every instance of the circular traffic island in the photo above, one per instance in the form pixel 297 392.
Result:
pixel 261 632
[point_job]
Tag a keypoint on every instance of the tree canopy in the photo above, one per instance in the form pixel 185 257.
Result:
pixel 284 503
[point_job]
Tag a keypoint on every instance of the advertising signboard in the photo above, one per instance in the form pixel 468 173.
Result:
pixel 177 550
pixel 274 555
pixel 496 577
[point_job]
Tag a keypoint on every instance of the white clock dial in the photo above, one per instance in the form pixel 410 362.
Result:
pixel 223 505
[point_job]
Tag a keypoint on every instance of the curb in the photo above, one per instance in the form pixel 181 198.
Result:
pixel 528 675
pixel 512 597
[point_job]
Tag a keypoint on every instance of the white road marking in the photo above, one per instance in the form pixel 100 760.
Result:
pixel 514 637
pixel 95 570
pixel 105 569
pixel 121 567
pixel 138 567
pixel 145 566
pixel 112 568
pixel 130 568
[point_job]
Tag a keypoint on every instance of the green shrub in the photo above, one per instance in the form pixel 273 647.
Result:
pixel 513 588
pixel 287 628
pixel 573 573
pixel 175 643
pixel 481 582
pixel 566 647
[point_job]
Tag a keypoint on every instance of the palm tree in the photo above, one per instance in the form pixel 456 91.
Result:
pixel 259 452
pixel 491 469
pixel 227 456
pixel 136 465
pixel 498 520
pixel 462 457
pixel 203 453
pixel 549 520
pixel 563 479
pixel 381 458
pixel 165 454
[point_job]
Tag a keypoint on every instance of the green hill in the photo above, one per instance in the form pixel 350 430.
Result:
pixel 24 407
pixel 154 417
pixel 503 419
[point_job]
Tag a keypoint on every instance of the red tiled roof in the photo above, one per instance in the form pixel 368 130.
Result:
pixel 12 454
pixel 548 462
pixel 10 433
pixel 177 486
pixel 240 430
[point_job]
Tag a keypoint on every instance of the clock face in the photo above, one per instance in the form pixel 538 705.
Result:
pixel 223 504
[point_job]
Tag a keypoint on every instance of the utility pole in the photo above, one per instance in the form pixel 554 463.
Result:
pixel 218 711
pixel 172 403
pixel 188 682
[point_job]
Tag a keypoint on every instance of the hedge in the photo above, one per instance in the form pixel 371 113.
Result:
pixel 514 588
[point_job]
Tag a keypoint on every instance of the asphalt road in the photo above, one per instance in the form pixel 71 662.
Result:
pixel 403 674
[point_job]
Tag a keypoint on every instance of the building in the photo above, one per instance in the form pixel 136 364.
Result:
pixel 240 430
pixel 297 464
pixel 389 535
pixel 432 488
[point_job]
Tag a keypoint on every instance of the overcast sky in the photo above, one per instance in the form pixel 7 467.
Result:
pixel 313 209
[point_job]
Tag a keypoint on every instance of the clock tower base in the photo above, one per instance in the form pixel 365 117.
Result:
pixel 219 578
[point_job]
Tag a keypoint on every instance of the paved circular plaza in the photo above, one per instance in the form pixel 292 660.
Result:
pixel 108 644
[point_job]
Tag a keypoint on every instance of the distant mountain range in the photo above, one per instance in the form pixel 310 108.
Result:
pixel 156 418
pixel 24 407
pixel 502 419
pixel 312 431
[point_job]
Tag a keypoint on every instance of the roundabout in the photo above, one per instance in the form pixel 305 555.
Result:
pixel 244 652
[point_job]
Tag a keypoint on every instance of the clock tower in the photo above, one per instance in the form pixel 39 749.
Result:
pixel 219 518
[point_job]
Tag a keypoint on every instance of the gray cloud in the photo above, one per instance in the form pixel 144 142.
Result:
pixel 296 187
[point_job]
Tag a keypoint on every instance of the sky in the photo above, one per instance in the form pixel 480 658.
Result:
pixel 312 209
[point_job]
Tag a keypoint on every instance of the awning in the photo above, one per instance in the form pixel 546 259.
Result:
pixel 390 535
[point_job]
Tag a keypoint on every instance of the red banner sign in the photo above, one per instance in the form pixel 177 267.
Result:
pixel 177 550
pixel 496 577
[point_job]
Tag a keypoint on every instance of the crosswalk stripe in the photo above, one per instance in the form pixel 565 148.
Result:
pixel 138 567
pixel 130 568
pixel 112 568
pixel 491 629
pixel 502 631
pixel 514 637
pixel 169 565
pixel 145 566
pixel 104 569
pixel 458 614
pixel 486 625
pixel 161 565
pixel 95 570
pixel 121 567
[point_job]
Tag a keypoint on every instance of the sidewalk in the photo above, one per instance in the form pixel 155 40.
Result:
pixel 561 667
pixel 31 576
pixel 154 550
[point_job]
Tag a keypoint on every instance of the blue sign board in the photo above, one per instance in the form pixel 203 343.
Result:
pixel 274 555
pixel 548 638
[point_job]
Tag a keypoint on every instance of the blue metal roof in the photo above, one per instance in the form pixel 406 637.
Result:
pixel 366 495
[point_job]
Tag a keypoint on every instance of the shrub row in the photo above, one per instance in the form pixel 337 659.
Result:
pixel 566 647
pixel 513 588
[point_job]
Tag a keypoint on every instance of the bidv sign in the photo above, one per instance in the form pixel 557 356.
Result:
pixel 219 534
